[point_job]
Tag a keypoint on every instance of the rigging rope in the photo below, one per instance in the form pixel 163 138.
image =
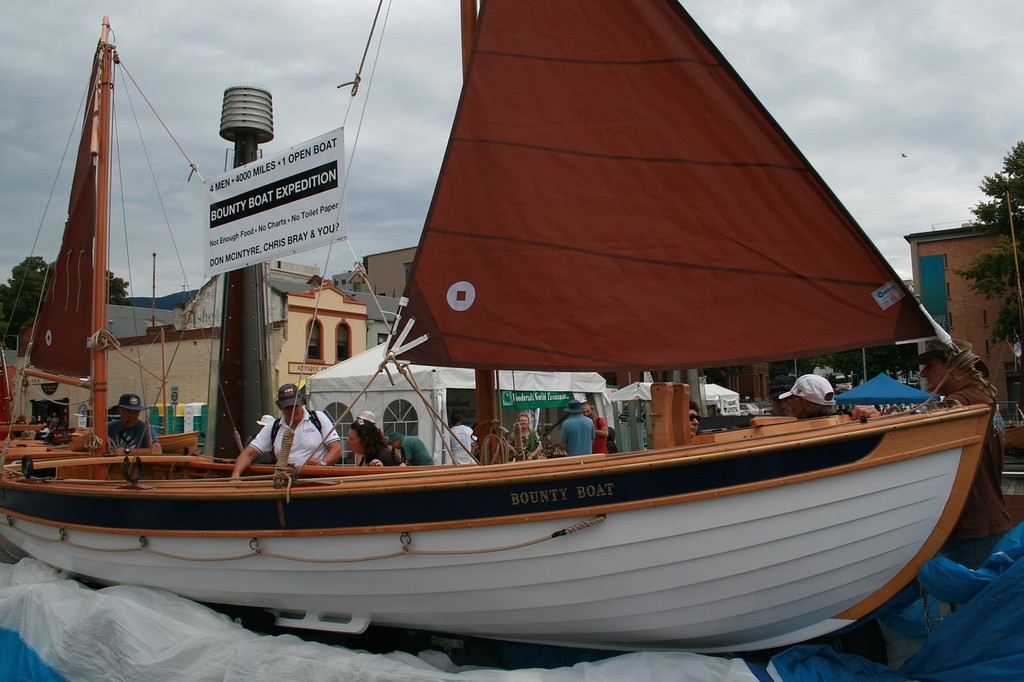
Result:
pixel 369 39
pixel 191 163
pixel 495 448
pixel 438 420
pixel 405 539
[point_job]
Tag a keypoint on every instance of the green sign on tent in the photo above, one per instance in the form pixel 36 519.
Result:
pixel 529 400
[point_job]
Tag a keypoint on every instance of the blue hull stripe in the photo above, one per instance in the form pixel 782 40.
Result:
pixel 478 500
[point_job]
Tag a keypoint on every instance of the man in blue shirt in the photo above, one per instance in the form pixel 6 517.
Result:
pixel 577 430
pixel 130 434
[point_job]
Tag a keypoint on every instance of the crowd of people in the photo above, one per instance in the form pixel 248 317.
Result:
pixel 955 372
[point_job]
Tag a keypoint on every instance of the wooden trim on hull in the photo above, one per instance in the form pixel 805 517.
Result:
pixel 433 498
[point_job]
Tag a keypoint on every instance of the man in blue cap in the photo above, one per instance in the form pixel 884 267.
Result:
pixel 129 434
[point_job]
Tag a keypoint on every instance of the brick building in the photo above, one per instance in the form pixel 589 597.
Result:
pixel 936 256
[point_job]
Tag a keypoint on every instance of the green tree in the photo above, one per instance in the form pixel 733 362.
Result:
pixel 26 285
pixel 117 290
pixel 993 272
pixel 891 360
pixel 22 291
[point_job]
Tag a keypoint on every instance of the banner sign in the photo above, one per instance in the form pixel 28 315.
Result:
pixel 276 206
pixel 529 400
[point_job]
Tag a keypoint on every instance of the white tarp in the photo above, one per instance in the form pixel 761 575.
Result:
pixel 638 390
pixel 52 627
pixel 343 382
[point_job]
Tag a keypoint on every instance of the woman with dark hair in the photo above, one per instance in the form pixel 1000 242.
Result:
pixel 694 419
pixel 367 443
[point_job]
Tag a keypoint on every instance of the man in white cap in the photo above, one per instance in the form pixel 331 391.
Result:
pixel 314 441
pixel 811 396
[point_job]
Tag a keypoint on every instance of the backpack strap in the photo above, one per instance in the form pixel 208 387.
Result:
pixel 313 418
pixel 273 435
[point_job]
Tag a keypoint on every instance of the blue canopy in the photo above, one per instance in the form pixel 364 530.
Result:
pixel 882 390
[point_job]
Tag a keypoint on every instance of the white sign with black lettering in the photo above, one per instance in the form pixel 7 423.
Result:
pixel 276 206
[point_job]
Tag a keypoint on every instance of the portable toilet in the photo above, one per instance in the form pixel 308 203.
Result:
pixel 194 413
pixel 157 419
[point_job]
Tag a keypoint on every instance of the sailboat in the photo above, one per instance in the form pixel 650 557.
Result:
pixel 608 149
pixel 69 339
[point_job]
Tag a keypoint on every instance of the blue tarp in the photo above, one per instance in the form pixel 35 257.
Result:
pixel 882 390
pixel 981 639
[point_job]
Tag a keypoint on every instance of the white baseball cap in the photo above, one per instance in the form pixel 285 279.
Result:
pixel 265 419
pixel 812 388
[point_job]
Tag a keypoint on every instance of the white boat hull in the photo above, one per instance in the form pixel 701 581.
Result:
pixel 730 572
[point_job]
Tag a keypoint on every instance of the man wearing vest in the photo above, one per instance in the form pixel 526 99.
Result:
pixel 314 442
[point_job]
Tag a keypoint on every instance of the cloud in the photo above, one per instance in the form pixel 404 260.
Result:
pixel 854 84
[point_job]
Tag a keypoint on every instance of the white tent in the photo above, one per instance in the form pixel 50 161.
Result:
pixel 724 400
pixel 449 389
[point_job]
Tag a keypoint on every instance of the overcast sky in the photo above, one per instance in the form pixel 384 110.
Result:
pixel 857 84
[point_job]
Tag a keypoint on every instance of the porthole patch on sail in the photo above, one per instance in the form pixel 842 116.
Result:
pixel 461 296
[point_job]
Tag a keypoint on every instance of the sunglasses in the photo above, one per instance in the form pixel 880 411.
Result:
pixel 694 417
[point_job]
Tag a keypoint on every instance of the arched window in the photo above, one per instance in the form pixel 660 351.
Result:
pixel 334 411
pixel 342 335
pixel 401 416
pixel 313 334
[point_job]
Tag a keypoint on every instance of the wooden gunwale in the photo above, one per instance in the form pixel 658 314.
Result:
pixel 415 481
pixel 357 480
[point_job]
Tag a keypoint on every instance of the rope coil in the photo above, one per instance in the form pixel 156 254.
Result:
pixel 281 477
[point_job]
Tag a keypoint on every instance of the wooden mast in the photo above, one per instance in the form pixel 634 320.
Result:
pixel 486 403
pixel 101 149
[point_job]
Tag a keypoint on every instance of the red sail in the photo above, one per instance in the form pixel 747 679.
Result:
pixel 613 196
pixel 62 328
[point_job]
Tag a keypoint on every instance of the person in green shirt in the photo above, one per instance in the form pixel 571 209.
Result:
pixel 414 449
